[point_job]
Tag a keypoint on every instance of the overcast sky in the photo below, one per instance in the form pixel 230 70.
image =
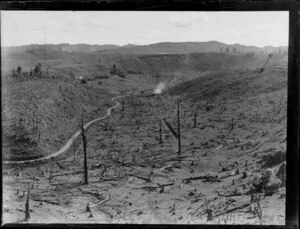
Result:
pixel 115 27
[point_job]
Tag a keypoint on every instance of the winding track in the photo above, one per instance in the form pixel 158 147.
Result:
pixel 69 142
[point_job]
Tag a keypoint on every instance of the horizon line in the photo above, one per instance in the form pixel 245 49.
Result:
pixel 122 45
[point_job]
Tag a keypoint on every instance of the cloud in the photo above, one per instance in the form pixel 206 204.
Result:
pixel 187 19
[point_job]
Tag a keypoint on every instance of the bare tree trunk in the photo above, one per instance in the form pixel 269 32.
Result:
pixel 27 212
pixel 178 123
pixel 160 135
pixel 84 143
pixel 195 120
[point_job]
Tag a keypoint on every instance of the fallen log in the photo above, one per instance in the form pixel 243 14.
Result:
pixel 206 178
pixel 60 166
pixel 101 202
pixel 161 169
pixel 229 195
pixel 14 171
pixel 54 202
pixel 170 128
pixel 153 188
pixel 148 188
pixel 212 180
pixel 94 205
pixel 233 209
pixel 226 176
pixel 165 185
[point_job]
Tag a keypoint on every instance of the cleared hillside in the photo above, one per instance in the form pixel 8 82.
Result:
pixel 38 116
pixel 232 115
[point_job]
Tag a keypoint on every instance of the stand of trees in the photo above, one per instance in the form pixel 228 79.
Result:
pixel 36 72
pixel 115 71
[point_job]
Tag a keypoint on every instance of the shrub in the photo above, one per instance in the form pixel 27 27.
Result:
pixel 37 69
pixel 113 70
pixel 19 69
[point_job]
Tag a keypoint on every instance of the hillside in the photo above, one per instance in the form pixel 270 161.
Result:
pixel 87 64
pixel 58 47
pixel 192 47
pixel 38 116
pixel 229 109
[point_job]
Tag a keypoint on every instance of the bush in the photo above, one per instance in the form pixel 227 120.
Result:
pixel 113 70
pixel 19 69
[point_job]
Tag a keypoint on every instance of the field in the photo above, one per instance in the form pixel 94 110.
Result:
pixel 228 169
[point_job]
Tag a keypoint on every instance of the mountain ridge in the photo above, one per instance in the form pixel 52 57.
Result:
pixel 155 48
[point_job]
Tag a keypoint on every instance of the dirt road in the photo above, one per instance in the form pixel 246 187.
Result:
pixel 69 142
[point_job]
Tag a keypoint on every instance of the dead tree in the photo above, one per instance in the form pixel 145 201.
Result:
pixel 106 124
pixel 209 214
pixel 160 134
pixel 27 211
pixel 84 143
pixel 123 104
pixel 39 136
pixel 178 126
pixel 195 119
pixel 232 123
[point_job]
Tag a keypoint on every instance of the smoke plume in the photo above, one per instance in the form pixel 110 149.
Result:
pixel 159 88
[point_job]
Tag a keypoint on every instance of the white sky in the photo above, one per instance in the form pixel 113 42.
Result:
pixel 117 27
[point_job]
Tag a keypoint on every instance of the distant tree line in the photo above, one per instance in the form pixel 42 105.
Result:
pixel 235 50
pixel 116 71
pixel 36 72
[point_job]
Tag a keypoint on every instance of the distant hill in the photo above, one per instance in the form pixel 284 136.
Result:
pixel 157 48
pixel 161 57
pixel 193 47
pixel 85 48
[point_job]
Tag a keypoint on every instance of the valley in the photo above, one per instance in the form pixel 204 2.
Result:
pixel 228 108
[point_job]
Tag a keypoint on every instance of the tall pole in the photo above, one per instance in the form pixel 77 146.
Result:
pixel 178 125
pixel 160 137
